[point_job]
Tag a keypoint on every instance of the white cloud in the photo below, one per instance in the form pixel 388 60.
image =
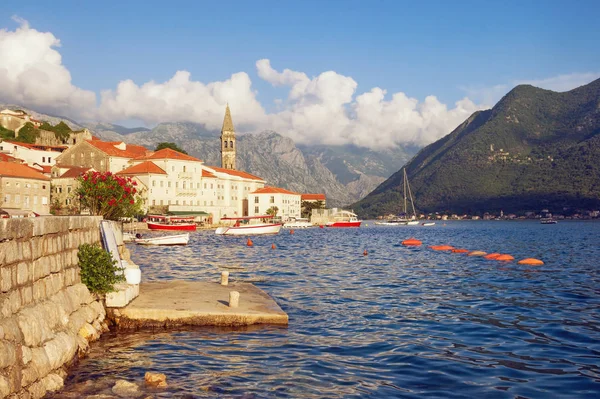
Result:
pixel 32 74
pixel 322 109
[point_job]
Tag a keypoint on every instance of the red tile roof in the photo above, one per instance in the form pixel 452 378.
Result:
pixel 39 147
pixel 206 173
pixel 236 173
pixel 273 190
pixel 12 169
pixel 313 197
pixel 8 158
pixel 142 168
pixel 167 153
pixel 109 148
pixel 74 172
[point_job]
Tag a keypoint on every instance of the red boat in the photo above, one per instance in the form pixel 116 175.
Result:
pixel 344 219
pixel 158 222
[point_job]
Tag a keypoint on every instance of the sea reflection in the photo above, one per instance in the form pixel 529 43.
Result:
pixel 399 322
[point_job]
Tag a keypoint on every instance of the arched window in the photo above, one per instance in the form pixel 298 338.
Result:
pixel 231 144
pixel 225 143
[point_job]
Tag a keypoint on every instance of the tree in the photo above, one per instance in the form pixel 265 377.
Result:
pixel 308 206
pixel 28 134
pixel 272 211
pixel 172 146
pixel 108 195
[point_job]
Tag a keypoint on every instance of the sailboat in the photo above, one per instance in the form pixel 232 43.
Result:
pixel 406 218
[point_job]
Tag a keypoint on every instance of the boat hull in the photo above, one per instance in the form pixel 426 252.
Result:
pixel 297 225
pixel 259 229
pixel 172 227
pixel 180 239
pixel 344 224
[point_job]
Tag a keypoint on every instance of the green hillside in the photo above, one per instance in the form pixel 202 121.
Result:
pixel 535 149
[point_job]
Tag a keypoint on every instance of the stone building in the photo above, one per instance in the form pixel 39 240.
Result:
pixel 228 144
pixel 64 183
pixel 15 120
pixel 103 156
pixel 23 189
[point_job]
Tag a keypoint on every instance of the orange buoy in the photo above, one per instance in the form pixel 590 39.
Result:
pixel 505 257
pixel 460 251
pixel 365 253
pixel 412 241
pixel 249 243
pixel 477 253
pixel 292 231
pixel 441 247
pixel 273 246
pixel 493 255
pixel 530 261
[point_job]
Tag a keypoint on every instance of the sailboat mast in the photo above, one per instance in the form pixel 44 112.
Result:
pixel 405 213
pixel 410 195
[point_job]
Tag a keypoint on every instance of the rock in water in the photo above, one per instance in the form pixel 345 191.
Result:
pixel 126 389
pixel 158 380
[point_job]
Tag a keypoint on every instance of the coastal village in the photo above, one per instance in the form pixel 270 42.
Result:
pixel 41 178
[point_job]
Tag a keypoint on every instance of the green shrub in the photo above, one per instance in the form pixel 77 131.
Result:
pixel 99 271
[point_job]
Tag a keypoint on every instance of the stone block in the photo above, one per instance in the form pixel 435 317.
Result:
pixel 29 374
pixel 88 332
pixel 50 225
pixel 14 379
pixel 36 247
pixel 61 349
pixel 11 229
pixel 98 309
pixel 40 361
pixel 52 382
pixel 11 329
pixel 8 354
pixel 23 270
pixel 26 354
pixel 10 303
pixel 26 295
pixel 33 326
pixel 25 248
pixel 41 268
pixel 55 263
pixel 4 387
pixel 36 390
pixel 39 291
pixel 10 250
pixel 5 278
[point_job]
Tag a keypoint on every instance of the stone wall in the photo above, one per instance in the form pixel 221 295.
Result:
pixel 47 316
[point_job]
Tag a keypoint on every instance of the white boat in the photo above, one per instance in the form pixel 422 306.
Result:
pixel 407 218
pixel 392 222
pixel 428 223
pixel 128 237
pixel 249 225
pixel 298 223
pixel 178 239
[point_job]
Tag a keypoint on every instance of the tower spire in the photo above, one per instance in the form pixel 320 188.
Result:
pixel 227 122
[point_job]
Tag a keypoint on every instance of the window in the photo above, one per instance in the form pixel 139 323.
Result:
pixel 184 168
pixel 169 184
pixel 204 203
pixel 184 185
pixel 184 202
pixel 43 159
pixel 272 200
pixel 173 168
pixel 6 198
pixel 43 186
pixel 17 198
pixel 169 202
pixel 211 185
pixel 176 184
pixel 50 159
pixel 225 142
pixel 204 185
pixel 161 183
pixel 153 183
pixel 255 209
pixel 68 189
pixel 153 202
pixel 256 200
pixel 176 202
pixel 231 144
pixel 161 202
pixel 44 200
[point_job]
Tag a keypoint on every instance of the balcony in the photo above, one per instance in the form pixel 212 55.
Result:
pixel 184 175
pixel 186 192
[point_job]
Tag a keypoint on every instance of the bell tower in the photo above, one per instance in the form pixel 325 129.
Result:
pixel 228 145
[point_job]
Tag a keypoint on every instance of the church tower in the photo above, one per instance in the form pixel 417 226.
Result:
pixel 228 145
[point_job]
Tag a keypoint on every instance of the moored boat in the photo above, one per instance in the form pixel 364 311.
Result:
pixel 249 225
pixel 178 239
pixel 548 221
pixel 344 219
pixel 298 223
pixel 159 222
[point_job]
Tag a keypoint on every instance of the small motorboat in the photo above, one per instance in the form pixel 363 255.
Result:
pixel 344 219
pixel 178 239
pixel 428 224
pixel 249 225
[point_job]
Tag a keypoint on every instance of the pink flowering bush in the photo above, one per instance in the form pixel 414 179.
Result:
pixel 109 195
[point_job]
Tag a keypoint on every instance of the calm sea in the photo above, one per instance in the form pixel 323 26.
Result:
pixel 399 322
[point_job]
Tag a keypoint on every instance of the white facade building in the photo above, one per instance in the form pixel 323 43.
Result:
pixel 32 154
pixel 287 202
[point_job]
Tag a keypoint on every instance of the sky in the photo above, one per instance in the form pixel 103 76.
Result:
pixel 370 73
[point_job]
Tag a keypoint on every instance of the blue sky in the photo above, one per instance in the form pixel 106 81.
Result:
pixel 444 49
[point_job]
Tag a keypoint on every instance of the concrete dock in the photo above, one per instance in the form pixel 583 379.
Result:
pixel 197 303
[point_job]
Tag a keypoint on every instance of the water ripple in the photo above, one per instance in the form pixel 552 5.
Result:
pixel 400 322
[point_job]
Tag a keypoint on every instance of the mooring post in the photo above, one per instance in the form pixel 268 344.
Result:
pixel 234 299
pixel 224 278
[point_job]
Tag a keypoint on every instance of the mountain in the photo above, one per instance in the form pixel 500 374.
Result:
pixel 535 149
pixel 344 173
